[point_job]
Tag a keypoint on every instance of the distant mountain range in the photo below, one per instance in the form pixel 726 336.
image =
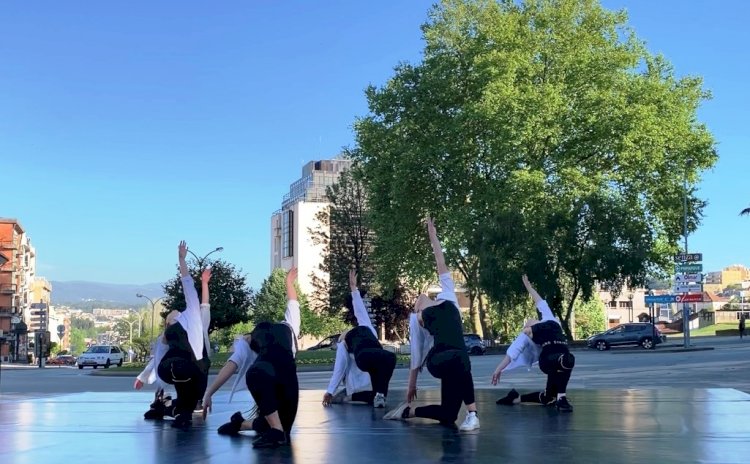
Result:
pixel 82 294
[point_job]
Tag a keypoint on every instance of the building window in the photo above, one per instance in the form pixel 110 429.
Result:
pixel 625 304
pixel 287 234
pixel 612 304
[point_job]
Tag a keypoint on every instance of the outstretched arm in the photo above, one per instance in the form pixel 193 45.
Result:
pixel 292 314
pixel 360 312
pixel 224 374
pixel 205 278
pixel 339 371
pixel 416 340
pixel 182 250
pixel 437 249
pixel 539 302
pixel 534 295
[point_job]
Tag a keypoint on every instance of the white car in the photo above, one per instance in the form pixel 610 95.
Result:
pixel 101 355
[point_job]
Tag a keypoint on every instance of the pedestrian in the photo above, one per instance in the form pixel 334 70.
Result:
pixel 436 337
pixel 359 351
pixel 540 341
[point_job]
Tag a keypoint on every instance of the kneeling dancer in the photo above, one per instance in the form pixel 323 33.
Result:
pixel 362 346
pixel 438 323
pixel 541 341
pixel 265 360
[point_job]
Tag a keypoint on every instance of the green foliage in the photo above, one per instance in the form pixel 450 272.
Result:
pixel 225 337
pixel 230 297
pixel 77 340
pixel 590 317
pixel 270 306
pixel 54 348
pixel 544 139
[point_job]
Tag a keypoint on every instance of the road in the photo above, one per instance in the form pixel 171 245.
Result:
pixel 726 366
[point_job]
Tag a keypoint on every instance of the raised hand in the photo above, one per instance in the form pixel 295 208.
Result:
pixel 352 279
pixel 291 276
pixel 525 280
pixel 431 227
pixel 206 275
pixel 182 250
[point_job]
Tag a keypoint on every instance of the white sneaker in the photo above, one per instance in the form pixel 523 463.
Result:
pixel 379 401
pixel 470 423
pixel 339 396
pixel 395 414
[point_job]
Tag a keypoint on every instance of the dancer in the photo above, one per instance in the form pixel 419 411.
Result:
pixel 541 341
pixel 186 347
pixel 438 323
pixel 362 346
pixel 164 405
pixel 264 358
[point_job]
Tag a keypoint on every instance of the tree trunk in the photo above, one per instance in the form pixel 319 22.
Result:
pixel 487 331
pixel 473 314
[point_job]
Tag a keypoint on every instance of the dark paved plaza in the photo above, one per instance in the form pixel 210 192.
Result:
pixel 666 425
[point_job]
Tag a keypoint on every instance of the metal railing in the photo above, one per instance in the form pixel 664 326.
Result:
pixel 7 245
pixel 9 309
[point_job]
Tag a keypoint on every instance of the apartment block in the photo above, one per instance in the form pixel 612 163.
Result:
pixel 293 224
pixel 18 259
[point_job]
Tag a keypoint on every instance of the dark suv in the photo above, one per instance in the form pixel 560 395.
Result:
pixel 634 333
pixel 474 344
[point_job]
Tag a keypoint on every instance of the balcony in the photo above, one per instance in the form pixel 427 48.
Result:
pixel 8 289
pixel 8 310
pixel 7 245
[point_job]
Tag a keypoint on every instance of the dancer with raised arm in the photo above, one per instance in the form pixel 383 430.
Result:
pixel 164 405
pixel 542 341
pixel 359 350
pixel 264 359
pixel 185 347
pixel 437 324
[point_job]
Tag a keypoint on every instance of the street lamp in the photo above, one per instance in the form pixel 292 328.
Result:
pixel 201 260
pixel 630 306
pixel 153 309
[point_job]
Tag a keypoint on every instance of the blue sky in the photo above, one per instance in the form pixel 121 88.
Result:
pixel 125 127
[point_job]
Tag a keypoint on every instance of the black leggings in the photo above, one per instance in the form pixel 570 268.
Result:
pixel 274 386
pixel 364 396
pixel 557 362
pixel 380 364
pixel 453 368
pixel 187 377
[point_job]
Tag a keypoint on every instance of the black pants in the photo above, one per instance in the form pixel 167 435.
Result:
pixel 204 365
pixel 380 364
pixel 187 378
pixel 557 362
pixel 453 368
pixel 364 396
pixel 274 386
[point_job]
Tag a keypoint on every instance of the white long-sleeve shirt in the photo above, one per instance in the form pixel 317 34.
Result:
pixel 420 339
pixel 345 368
pixel 191 319
pixel 149 374
pixel 243 357
pixel 523 352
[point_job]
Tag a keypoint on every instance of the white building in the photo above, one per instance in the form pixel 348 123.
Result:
pixel 292 225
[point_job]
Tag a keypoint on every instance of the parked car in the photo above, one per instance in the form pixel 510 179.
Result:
pixel 62 360
pixel 101 355
pixel 633 333
pixel 474 344
pixel 326 343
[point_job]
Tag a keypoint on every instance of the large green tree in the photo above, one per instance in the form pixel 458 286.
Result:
pixel 230 297
pixel 545 139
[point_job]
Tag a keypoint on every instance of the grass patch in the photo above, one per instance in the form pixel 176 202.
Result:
pixel 711 329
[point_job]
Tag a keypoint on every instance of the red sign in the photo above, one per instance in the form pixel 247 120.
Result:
pixel 690 298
